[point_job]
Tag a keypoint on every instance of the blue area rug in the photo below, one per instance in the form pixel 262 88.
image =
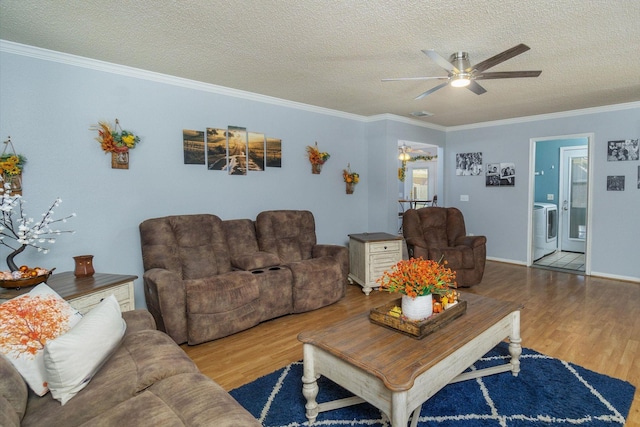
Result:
pixel 547 392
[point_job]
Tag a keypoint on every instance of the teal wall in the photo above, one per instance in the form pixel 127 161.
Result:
pixel 548 161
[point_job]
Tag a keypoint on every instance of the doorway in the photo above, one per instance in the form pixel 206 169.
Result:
pixel 560 187
pixel 420 176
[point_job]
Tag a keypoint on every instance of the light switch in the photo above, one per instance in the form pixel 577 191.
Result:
pixel 464 197
pixel 549 196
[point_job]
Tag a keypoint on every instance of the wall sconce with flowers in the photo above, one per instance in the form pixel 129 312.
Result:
pixel 11 167
pixel 116 141
pixel 317 158
pixel 350 178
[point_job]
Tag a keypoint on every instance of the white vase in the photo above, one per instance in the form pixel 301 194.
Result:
pixel 417 308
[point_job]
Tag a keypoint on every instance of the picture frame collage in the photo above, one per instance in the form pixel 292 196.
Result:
pixel 620 151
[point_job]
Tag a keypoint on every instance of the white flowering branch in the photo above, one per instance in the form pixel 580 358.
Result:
pixel 16 225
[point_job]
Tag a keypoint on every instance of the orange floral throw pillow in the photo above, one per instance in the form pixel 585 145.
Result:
pixel 27 322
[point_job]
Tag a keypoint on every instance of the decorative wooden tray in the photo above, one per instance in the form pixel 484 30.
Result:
pixel 29 281
pixel 416 329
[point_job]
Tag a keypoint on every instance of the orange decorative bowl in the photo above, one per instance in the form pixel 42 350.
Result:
pixel 27 281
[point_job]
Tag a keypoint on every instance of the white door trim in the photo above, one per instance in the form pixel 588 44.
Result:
pixel 532 161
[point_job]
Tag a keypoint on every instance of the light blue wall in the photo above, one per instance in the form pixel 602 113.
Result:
pixel 501 213
pixel 48 107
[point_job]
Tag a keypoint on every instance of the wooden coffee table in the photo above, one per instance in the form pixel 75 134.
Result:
pixel 397 373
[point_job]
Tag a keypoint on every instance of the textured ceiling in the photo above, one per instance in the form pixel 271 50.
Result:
pixel 333 53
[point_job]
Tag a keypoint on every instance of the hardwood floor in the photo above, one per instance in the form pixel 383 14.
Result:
pixel 590 321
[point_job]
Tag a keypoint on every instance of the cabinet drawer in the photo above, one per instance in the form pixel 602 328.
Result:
pixel 388 246
pixel 87 302
pixel 383 260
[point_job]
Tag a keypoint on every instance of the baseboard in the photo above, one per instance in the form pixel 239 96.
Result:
pixel 616 277
pixel 506 261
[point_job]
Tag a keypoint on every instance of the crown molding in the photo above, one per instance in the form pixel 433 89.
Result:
pixel 95 64
pixel 406 120
pixel 108 67
pixel 559 115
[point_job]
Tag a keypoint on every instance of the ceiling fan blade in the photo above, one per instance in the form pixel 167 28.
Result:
pixel 430 91
pixel 412 78
pixel 476 88
pixel 507 75
pixel 501 57
pixel 435 57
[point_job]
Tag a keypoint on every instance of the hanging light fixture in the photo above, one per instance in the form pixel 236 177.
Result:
pixel 404 156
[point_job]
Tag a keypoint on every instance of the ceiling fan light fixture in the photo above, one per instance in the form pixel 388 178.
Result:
pixel 460 81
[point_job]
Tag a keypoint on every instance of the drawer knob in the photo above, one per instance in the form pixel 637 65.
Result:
pixel 385 247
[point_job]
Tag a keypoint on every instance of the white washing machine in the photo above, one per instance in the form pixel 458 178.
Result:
pixel 545 229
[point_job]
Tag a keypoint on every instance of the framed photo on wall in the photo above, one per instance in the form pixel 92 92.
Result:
pixel 615 183
pixel 627 149
pixel 468 164
pixel 501 174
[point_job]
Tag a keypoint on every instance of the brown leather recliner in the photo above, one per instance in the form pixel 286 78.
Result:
pixel 433 232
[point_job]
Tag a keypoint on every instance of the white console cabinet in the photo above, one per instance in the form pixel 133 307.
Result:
pixel 370 255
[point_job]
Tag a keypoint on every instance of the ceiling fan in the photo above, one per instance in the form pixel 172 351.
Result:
pixel 463 74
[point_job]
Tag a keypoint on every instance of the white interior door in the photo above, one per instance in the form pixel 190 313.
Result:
pixel 573 198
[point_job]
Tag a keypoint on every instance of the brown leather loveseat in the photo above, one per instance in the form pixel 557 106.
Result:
pixel 206 278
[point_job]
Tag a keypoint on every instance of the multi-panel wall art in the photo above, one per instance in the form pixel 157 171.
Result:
pixel 234 150
pixel 501 175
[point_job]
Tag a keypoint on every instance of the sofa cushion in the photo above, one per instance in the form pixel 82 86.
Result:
pixel 195 246
pixel 73 358
pixel 27 323
pixel 181 400
pixel 289 234
pixel 144 358
pixel 13 394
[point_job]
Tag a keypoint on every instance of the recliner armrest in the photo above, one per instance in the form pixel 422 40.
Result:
pixel 340 253
pixel 138 320
pixel 166 298
pixel 329 250
pixel 471 241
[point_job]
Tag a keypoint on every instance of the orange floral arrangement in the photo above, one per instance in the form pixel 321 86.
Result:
pixel 316 157
pixel 417 277
pixel 115 140
pixel 350 177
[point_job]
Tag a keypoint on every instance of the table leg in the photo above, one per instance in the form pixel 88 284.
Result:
pixel 515 349
pixel 309 384
pixel 399 415
pixel 415 416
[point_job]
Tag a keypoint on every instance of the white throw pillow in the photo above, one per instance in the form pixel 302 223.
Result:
pixel 27 323
pixel 72 359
